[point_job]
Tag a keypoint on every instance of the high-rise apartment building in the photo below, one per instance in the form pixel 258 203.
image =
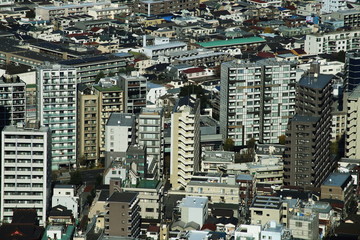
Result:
pixel 87 125
pixel 135 89
pixel 110 100
pixel 307 156
pixel 12 101
pixel 151 135
pixel 25 169
pixel 256 100
pixel 120 133
pixel 57 110
pixel 352 133
pixel 95 105
pixel 185 142
pixel 352 71
pixel 122 218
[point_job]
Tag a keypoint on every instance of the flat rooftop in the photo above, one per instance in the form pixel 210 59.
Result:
pixel 121 119
pixel 231 42
pixel 337 179
pixel 193 202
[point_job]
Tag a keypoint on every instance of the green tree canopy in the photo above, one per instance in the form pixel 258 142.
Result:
pixel 75 178
pixel 229 145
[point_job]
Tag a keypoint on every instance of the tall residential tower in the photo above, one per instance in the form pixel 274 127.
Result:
pixel 57 110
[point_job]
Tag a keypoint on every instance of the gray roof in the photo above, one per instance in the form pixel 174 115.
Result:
pixel 318 82
pixel 266 202
pixel 121 119
pixel 126 197
pixel 193 202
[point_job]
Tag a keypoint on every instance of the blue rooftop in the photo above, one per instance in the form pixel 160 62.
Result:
pixel 337 179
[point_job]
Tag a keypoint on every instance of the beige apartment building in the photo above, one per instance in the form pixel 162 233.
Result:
pixel 96 103
pixel 87 125
pixel 352 135
pixel 266 208
pixel 185 142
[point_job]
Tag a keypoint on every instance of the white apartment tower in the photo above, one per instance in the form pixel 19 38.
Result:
pixel 256 99
pixel 25 169
pixel 185 142
pixel 57 110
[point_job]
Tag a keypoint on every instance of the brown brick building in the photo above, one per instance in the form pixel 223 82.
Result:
pixel 122 217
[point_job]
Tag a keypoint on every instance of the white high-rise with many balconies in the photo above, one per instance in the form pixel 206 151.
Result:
pixel 185 142
pixel 57 110
pixel 25 170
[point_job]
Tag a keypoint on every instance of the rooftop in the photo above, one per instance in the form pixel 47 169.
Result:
pixel 266 202
pixel 316 82
pixel 123 197
pixel 230 42
pixel 194 202
pixel 151 184
pixel 121 119
pixel 337 179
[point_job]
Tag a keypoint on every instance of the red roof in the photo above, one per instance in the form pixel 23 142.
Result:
pixel 258 1
pixel 209 226
pixel 88 188
pixel 153 228
pixel 95 29
pixel 193 70
pixel 78 34
pixel 91 43
pixel 265 55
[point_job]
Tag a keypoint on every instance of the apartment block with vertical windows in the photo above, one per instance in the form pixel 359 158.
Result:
pixel 87 125
pixel 119 135
pixel 12 100
pixel 122 217
pixel 307 160
pixel 185 142
pixel 332 42
pixel 110 99
pixel 256 99
pixel 57 110
pixel 25 169
pixel 135 89
pixel 352 125
pixel 151 134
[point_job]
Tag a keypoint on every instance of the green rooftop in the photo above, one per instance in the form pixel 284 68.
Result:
pixel 151 184
pixel 107 89
pixel 230 42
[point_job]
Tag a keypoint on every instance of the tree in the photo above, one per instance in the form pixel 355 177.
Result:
pixel 251 143
pixel 75 178
pixel 82 160
pixel 30 14
pixel 229 145
pixel 111 74
pixel 282 139
pixel 99 76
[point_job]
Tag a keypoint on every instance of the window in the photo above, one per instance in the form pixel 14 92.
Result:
pixel 298 224
pixel 149 210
